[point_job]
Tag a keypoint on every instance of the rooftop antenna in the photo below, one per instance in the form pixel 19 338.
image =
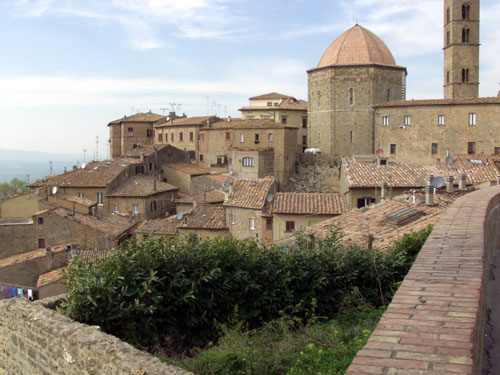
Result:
pixel 84 152
pixel 163 110
pixel 134 110
pixel 107 148
pixel 97 148
pixel 225 111
pixel 50 168
pixel 172 105
pixel 208 105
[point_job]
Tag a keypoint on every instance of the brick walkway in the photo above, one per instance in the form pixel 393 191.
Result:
pixel 435 323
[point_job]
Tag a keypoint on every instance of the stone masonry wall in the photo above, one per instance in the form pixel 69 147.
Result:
pixel 435 323
pixel 36 340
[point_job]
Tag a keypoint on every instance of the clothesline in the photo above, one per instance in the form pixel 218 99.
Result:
pixel 17 292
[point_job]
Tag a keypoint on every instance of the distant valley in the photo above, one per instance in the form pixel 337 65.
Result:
pixel 19 164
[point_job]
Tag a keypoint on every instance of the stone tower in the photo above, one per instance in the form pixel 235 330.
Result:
pixel 461 49
pixel 356 71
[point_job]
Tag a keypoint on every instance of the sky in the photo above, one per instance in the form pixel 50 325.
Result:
pixel 69 67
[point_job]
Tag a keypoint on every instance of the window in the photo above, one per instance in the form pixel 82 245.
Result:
pixel 191 136
pixel 385 120
pixel 231 219
pixel 221 159
pixel 116 209
pixel 434 149
pixel 440 120
pixel 149 132
pixel 251 223
pixel 172 197
pixel 160 137
pixel 228 135
pixel 351 136
pixel 269 224
pixel 448 38
pixel 201 137
pixel 319 98
pixel 269 104
pixel 304 139
pixel 465 35
pixel 40 221
pixel 351 96
pixel 139 169
pixel 135 208
pixel 472 119
pixel 130 132
pixel 448 15
pixel 201 157
pixel 471 147
pixel 465 12
pixel 270 137
pixel 153 205
pixel 242 138
pixel 172 137
pixel 80 194
pixel 388 95
pixel 248 162
pixel 393 149
pixel 41 243
pixel 276 104
pixel 465 75
pixel 162 203
pixel 98 198
pixel 497 151
pixel 290 226
pixel 407 120
pixel 283 120
pixel 150 166
pixel 448 76
pixel 181 137
pixel 363 202
pixel 304 122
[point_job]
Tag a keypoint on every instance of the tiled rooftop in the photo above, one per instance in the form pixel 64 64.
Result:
pixel 204 216
pixel 95 174
pixel 458 101
pixel 271 96
pixel 357 46
pixel 250 193
pixel 210 196
pixel 140 186
pixel 93 255
pixel 166 226
pixel 198 121
pixel 50 277
pixel 78 200
pixel 357 224
pixel 189 168
pixel 402 174
pixel 309 203
pixel 139 117
pixel 26 257
pixel 249 124
pixel 147 150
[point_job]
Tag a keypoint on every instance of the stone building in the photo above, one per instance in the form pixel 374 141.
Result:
pixel 356 71
pixel 280 108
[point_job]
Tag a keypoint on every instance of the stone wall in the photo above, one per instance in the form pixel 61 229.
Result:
pixel 16 238
pixel 36 340
pixel 316 173
pixel 435 323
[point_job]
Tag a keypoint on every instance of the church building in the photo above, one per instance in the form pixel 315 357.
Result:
pixel 357 101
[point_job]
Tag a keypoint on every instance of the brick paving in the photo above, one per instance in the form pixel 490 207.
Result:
pixel 435 323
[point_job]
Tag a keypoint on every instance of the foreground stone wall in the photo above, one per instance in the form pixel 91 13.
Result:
pixel 36 340
pixel 435 323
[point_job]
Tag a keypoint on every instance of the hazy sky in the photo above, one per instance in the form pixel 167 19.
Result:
pixel 69 67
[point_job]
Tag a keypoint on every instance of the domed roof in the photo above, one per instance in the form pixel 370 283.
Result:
pixel 357 46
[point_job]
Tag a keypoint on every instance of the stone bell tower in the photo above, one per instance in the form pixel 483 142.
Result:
pixel 461 49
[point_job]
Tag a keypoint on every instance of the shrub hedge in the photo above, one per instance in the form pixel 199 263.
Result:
pixel 185 289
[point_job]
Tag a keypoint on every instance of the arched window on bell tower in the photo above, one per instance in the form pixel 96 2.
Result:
pixel 448 15
pixel 466 12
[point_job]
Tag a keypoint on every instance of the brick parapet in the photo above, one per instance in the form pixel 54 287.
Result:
pixel 36 340
pixel 435 323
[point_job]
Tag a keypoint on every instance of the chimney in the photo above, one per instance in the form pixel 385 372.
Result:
pixel 228 118
pixel 195 202
pixel 107 239
pixel 369 241
pixel 449 184
pixel 384 190
pixel 429 190
pixel 74 249
pixel 142 157
pixel 498 180
pixel 462 178
pixel 130 217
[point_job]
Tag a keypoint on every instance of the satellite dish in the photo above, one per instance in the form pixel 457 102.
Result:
pixel 84 165
pixel 449 159
pixel 231 171
pixel 227 183
pixel 54 190
pixel 438 182
pixel 180 215
pixel 269 197
pixel 36 191
pixel 380 152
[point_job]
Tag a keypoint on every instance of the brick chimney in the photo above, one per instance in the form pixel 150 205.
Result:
pixel 462 178
pixel 74 250
pixel 384 190
pixel 498 180
pixel 449 184
pixel 429 190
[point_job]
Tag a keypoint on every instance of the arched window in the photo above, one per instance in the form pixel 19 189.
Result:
pixel 448 38
pixel 351 96
pixel 448 76
pixel 448 15
pixel 466 75
pixel 388 94
pixel 463 75
pixel 466 12
pixel 465 35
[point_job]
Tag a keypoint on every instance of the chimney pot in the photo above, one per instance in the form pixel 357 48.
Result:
pixel 384 189
pixel 429 195
pixel 449 184
pixel 462 178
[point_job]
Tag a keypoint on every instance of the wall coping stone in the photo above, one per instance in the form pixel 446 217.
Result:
pixel 435 322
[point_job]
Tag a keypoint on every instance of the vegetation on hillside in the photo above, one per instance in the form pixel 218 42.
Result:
pixel 15 186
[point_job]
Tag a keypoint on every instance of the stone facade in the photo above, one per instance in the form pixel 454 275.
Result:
pixel 37 340
pixel 340 105
pixel 16 237
pixel 437 128
pixel 461 49
pixel 20 206
pixel 239 220
pixel 300 222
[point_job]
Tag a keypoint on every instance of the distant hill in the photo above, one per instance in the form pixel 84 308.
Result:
pixel 19 163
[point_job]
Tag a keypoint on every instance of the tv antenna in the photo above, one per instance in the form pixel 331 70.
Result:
pixel 163 110
pixel 97 148
pixel 84 152
pixel 173 105
pixel 50 168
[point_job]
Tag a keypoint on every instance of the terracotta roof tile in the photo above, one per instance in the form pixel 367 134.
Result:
pixel 78 200
pixel 139 117
pixel 209 196
pixel 288 104
pixel 357 224
pixel 50 277
pixel 147 150
pixel 309 203
pixel 250 193
pixel 198 121
pixel 357 46
pixel 271 96
pixel 94 255
pixel 403 174
pixel 189 168
pixel 204 216
pixel 28 256
pixel 167 226
pixel 140 186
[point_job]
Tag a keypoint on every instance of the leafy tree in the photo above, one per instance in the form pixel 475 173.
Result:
pixel 15 186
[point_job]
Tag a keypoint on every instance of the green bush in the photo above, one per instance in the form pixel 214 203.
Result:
pixel 184 290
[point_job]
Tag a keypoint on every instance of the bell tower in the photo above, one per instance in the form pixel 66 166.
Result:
pixel 461 49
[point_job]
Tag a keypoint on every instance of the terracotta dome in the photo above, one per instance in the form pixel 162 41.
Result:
pixel 357 46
